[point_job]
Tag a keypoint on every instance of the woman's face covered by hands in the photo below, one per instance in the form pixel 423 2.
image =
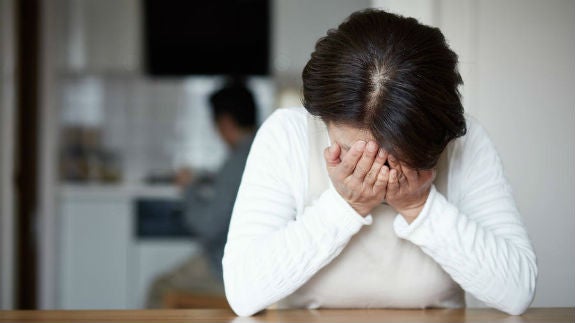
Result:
pixel 366 175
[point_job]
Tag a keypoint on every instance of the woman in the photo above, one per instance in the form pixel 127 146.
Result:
pixel 380 193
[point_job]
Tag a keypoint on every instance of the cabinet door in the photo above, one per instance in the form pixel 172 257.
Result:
pixel 100 35
pixel 95 251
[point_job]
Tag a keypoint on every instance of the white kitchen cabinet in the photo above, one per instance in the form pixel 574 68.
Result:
pixel 95 248
pixel 102 263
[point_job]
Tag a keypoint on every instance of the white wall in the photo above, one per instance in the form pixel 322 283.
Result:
pixel 297 25
pixel 526 99
pixel 518 63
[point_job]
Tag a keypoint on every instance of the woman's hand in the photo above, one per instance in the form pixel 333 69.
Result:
pixel 408 189
pixel 359 176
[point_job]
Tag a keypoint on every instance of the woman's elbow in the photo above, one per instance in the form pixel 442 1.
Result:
pixel 240 298
pixel 241 302
pixel 519 305
pixel 242 308
pixel 521 298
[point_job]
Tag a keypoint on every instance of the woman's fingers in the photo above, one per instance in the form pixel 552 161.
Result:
pixel 415 177
pixel 332 155
pixel 349 162
pixel 400 179
pixel 408 196
pixel 366 162
pixel 359 175
pixel 393 162
pixel 393 183
pixel 382 180
pixel 372 175
pixel 411 174
pixel 382 155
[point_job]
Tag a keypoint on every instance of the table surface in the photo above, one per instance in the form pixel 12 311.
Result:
pixel 547 315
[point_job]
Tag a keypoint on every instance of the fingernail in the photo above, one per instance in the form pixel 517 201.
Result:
pixel 385 171
pixel 381 153
pixel 360 145
pixel 371 147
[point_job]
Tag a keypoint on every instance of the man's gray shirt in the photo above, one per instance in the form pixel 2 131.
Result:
pixel 208 215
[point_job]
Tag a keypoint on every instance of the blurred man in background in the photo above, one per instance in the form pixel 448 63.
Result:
pixel 208 204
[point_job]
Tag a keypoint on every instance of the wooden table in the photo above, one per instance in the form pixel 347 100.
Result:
pixel 547 315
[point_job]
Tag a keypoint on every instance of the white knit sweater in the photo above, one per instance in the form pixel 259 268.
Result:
pixel 475 234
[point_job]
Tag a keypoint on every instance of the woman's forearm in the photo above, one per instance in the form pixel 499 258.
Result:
pixel 493 260
pixel 269 259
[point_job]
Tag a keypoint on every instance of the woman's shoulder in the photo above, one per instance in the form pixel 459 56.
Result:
pixel 476 135
pixel 287 117
pixel 280 146
pixel 286 124
pixel 469 151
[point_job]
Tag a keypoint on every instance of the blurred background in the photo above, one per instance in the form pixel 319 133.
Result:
pixel 96 120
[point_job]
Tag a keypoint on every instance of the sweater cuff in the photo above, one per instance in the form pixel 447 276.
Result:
pixel 342 213
pixel 419 231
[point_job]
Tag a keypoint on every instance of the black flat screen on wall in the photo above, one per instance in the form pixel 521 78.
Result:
pixel 206 37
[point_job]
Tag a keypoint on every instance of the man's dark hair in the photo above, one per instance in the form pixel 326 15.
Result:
pixel 237 101
pixel 392 76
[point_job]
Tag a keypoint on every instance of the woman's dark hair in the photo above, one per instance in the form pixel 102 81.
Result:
pixel 392 76
pixel 237 101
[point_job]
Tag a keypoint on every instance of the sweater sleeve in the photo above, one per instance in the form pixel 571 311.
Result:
pixel 273 248
pixel 479 239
